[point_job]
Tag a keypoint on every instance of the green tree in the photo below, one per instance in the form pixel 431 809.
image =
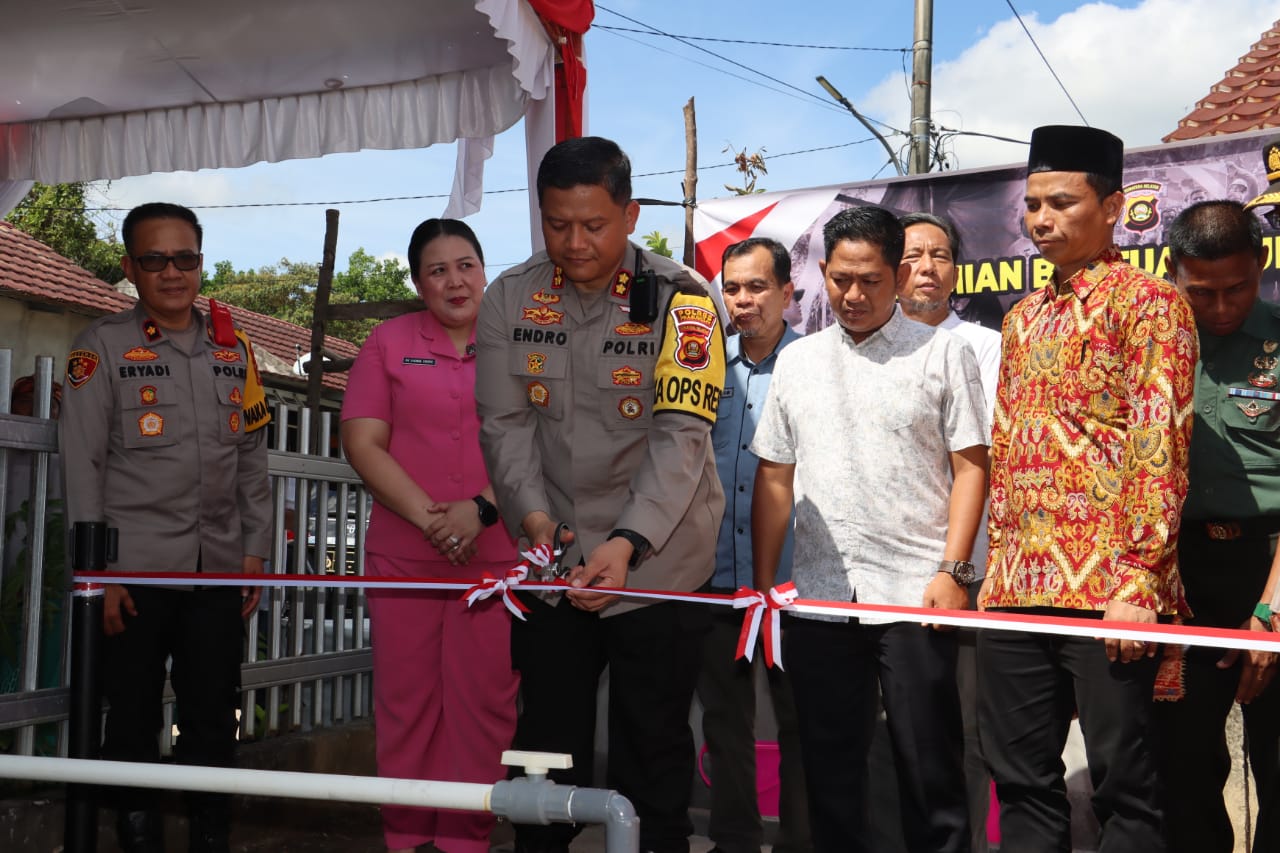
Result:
pixel 58 216
pixel 657 243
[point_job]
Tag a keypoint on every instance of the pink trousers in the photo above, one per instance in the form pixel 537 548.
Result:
pixel 444 697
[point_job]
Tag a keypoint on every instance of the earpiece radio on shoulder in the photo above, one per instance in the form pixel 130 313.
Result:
pixel 644 294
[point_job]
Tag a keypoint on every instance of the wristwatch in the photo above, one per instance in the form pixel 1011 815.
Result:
pixel 488 512
pixel 961 571
pixel 639 545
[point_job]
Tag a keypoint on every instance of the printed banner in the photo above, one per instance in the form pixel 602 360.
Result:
pixel 999 263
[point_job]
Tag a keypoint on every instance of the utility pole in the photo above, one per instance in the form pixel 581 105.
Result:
pixel 844 102
pixel 921 88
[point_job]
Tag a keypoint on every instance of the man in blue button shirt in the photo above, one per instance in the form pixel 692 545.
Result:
pixel 756 276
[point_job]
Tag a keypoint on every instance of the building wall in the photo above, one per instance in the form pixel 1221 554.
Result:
pixel 32 329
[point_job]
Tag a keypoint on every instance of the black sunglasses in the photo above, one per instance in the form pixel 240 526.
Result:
pixel 184 261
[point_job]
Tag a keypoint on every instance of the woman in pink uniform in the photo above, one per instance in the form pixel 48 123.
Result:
pixel 444 690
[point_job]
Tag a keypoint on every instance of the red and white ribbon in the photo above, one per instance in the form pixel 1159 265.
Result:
pixel 758 605
pixel 489 585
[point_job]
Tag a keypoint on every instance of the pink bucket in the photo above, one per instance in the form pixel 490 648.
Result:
pixel 768 780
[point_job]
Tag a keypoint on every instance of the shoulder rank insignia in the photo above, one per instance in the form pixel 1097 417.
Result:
pixel 557 279
pixel 147 395
pixel 150 330
pixel 151 424
pixel 539 395
pixel 141 354
pixel 81 365
pixel 626 375
pixel 542 315
pixel 622 284
pixel 630 408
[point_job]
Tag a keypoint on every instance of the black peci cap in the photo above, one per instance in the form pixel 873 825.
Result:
pixel 1068 148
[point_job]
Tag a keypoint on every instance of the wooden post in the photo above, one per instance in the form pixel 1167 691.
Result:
pixel 315 367
pixel 690 184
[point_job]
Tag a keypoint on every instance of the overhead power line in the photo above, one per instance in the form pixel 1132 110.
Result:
pixel 1046 62
pixel 760 43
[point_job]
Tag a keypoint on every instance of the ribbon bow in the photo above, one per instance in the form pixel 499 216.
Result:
pixel 757 604
pixel 489 585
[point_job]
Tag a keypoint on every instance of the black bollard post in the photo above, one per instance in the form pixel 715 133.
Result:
pixel 88 554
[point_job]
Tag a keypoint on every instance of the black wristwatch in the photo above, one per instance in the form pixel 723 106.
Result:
pixel 488 512
pixel 961 571
pixel 640 545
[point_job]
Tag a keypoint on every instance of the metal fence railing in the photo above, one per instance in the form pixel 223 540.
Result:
pixel 307 661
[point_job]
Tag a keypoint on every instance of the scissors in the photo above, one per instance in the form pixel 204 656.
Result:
pixel 556 570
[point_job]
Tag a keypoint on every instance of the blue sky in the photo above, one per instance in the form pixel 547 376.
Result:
pixel 1132 67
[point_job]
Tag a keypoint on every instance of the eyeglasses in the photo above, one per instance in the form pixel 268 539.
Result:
pixel 184 261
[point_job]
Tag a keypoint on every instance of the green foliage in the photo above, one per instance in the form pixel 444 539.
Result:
pixel 287 290
pixel 751 167
pixel 56 215
pixel 657 244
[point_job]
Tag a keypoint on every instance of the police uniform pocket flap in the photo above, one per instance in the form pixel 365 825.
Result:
pixel 546 362
pixel 1259 417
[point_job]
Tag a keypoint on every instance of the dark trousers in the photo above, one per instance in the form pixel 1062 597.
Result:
pixel 834 668
pixel 653 659
pixel 1224 581
pixel 976 778
pixel 727 691
pixel 1031 684
pixel 203 633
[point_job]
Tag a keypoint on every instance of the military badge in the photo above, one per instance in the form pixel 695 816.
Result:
pixel 151 424
pixel 227 356
pixel 147 394
pixel 235 397
pixel 542 315
pixel 1266 362
pixel 535 362
pixel 694 326
pixel 626 375
pixel 1263 380
pixel 233 421
pixel 539 395
pixel 81 365
pixel 1252 409
pixel 1269 346
pixel 557 279
pixel 544 298
pixel 630 329
pixel 151 330
pixel 141 354
pixel 630 408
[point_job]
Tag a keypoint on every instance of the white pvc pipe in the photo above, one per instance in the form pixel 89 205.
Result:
pixel 264 783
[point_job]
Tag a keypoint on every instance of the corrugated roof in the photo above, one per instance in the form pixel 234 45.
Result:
pixel 36 273
pixel 1247 97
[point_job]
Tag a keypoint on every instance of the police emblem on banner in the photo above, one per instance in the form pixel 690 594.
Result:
pixel 141 354
pixel 539 395
pixel 1142 206
pixel 150 424
pixel 694 326
pixel 535 362
pixel 630 408
pixel 81 365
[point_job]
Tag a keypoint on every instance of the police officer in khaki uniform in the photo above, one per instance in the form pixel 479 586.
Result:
pixel 161 439
pixel 1229 527
pixel 600 368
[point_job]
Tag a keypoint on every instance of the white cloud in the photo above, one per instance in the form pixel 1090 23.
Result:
pixel 399 257
pixel 1135 72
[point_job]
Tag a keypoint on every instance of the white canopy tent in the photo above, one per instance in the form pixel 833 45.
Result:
pixel 94 89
